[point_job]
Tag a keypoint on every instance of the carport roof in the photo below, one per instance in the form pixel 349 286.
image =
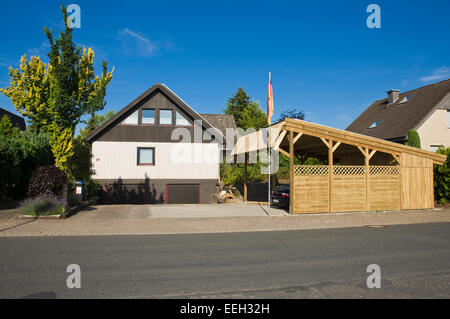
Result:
pixel 252 141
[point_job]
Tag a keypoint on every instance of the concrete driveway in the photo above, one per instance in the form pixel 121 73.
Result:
pixel 185 219
pixel 184 211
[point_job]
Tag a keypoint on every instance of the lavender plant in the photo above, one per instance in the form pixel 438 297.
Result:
pixel 44 205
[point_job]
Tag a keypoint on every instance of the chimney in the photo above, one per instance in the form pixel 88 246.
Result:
pixel 392 96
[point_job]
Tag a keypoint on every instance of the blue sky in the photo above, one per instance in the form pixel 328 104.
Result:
pixel 324 60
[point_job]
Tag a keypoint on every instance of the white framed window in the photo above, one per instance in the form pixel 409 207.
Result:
pixel 148 116
pixel 434 148
pixel 145 156
pixel 165 116
pixel 132 119
pixel 181 120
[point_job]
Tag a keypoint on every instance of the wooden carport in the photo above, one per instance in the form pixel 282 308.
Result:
pixel 362 173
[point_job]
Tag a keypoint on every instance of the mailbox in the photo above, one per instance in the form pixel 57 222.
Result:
pixel 79 190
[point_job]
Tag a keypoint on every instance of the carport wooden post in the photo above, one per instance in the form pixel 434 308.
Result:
pixel 367 173
pixel 329 144
pixel 291 172
pixel 245 176
pixel 398 158
pixel 367 156
pixel 330 175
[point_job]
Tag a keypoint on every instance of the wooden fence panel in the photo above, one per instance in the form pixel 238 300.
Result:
pixel 349 189
pixel 311 189
pixel 417 182
pixel 384 188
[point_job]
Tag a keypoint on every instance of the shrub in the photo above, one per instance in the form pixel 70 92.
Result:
pixel 93 189
pixel 20 155
pixel 7 129
pixel 72 200
pixel 442 178
pixel 43 206
pixel 413 139
pixel 48 180
pixel 233 174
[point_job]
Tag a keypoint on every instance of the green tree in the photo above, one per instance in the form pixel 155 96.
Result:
pixel 29 91
pixel 246 113
pixel 292 114
pixel 413 139
pixel 442 178
pixel 79 167
pixel 95 121
pixel 56 95
pixel 7 129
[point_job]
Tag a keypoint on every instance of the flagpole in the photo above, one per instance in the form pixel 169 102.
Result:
pixel 268 191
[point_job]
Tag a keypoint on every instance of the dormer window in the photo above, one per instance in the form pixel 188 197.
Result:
pixel 405 98
pixel 374 124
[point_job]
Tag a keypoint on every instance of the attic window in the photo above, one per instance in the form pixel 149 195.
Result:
pixel 405 98
pixel 148 116
pixel 165 116
pixel 131 119
pixel 181 120
pixel 375 124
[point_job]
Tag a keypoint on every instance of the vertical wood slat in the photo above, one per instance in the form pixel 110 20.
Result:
pixel 431 172
pixel 416 182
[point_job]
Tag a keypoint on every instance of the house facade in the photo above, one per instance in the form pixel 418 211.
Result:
pixel 426 110
pixel 158 150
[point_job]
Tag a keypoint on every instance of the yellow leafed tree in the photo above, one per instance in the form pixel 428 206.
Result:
pixel 55 95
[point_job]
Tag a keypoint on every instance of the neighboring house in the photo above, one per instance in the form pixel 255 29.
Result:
pixel 138 156
pixel 426 110
pixel 15 119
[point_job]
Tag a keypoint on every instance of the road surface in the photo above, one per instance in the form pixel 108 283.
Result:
pixel 332 263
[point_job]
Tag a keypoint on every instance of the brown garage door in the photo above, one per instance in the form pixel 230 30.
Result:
pixel 183 193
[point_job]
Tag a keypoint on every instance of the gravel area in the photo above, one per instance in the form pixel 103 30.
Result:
pixel 184 219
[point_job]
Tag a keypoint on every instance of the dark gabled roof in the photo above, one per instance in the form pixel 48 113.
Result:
pixel 15 119
pixel 398 118
pixel 220 121
pixel 135 103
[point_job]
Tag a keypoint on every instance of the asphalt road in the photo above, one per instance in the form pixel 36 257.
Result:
pixel 414 262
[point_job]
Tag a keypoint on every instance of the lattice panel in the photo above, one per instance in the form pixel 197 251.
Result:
pixel 310 170
pixel 348 170
pixel 384 170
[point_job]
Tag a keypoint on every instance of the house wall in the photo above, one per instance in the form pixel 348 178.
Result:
pixel 113 160
pixel 151 191
pixel 435 130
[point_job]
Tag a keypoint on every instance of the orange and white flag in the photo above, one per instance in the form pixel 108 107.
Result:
pixel 269 102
